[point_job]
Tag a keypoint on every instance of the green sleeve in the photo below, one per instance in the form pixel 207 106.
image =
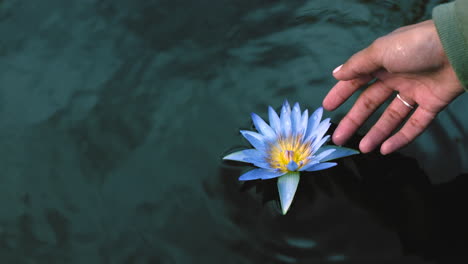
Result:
pixel 451 21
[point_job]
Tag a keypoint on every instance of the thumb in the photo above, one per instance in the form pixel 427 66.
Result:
pixel 361 64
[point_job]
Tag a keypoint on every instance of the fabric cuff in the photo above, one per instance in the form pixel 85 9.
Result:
pixel 452 40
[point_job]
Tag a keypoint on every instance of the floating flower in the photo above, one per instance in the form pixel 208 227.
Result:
pixel 291 143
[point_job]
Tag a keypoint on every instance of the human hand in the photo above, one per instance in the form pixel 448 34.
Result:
pixel 410 61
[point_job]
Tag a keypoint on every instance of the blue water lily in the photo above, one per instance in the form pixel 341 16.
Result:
pixel 291 143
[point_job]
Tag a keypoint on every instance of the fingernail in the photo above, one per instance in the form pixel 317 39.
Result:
pixel 338 138
pixel 337 68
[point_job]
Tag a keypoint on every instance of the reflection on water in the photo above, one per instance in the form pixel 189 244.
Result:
pixel 114 116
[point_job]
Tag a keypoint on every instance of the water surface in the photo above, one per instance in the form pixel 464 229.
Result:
pixel 114 116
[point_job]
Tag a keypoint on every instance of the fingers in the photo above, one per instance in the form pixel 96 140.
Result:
pixel 365 105
pixel 363 63
pixel 393 116
pixel 415 125
pixel 342 91
pixel 357 71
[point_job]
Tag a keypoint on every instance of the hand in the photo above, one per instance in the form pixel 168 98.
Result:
pixel 410 61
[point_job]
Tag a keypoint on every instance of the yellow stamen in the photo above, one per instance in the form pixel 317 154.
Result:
pixel 288 149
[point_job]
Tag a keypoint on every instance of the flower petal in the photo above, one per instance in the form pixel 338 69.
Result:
pixel 287 186
pixel 321 130
pixel 316 146
pixel 253 156
pixel 321 166
pixel 263 127
pixel 323 127
pixel 308 165
pixel 263 174
pixel 296 119
pixel 286 106
pixel 285 118
pixel 292 166
pixel 323 154
pixel 304 121
pixel 239 155
pixel 339 152
pixel 314 121
pixel 274 120
pixel 255 139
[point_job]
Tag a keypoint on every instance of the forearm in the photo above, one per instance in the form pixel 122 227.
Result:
pixel 451 21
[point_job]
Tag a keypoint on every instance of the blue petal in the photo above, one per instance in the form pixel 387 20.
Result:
pixel 286 106
pixel 274 120
pixel 321 166
pixel 249 156
pixel 287 186
pixel 292 166
pixel 304 121
pixel 285 118
pixel 296 119
pixel 263 127
pixel 240 155
pixel 316 146
pixel 308 165
pixel 323 127
pixel 321 130
pixel 314 121
pixel 263 174
pixel 324 154
pixel 339 152
pixel 255 139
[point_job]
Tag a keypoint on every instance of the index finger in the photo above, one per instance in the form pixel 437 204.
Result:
pixel 342 91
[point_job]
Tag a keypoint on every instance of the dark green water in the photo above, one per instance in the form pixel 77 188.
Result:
pixel 114 116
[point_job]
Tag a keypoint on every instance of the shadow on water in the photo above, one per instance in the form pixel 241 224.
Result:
pixel 369 207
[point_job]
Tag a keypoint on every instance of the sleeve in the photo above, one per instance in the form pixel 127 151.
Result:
pixel 451 21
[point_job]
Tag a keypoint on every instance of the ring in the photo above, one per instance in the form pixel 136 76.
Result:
pixel 404 102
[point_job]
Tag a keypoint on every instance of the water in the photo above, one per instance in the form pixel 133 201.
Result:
pixel 114 116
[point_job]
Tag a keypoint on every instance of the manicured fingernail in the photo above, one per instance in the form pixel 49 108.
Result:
pixel 337 68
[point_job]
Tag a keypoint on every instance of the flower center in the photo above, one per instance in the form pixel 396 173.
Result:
pixel 289 154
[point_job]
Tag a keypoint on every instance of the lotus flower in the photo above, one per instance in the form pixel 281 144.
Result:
pixel 291 143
